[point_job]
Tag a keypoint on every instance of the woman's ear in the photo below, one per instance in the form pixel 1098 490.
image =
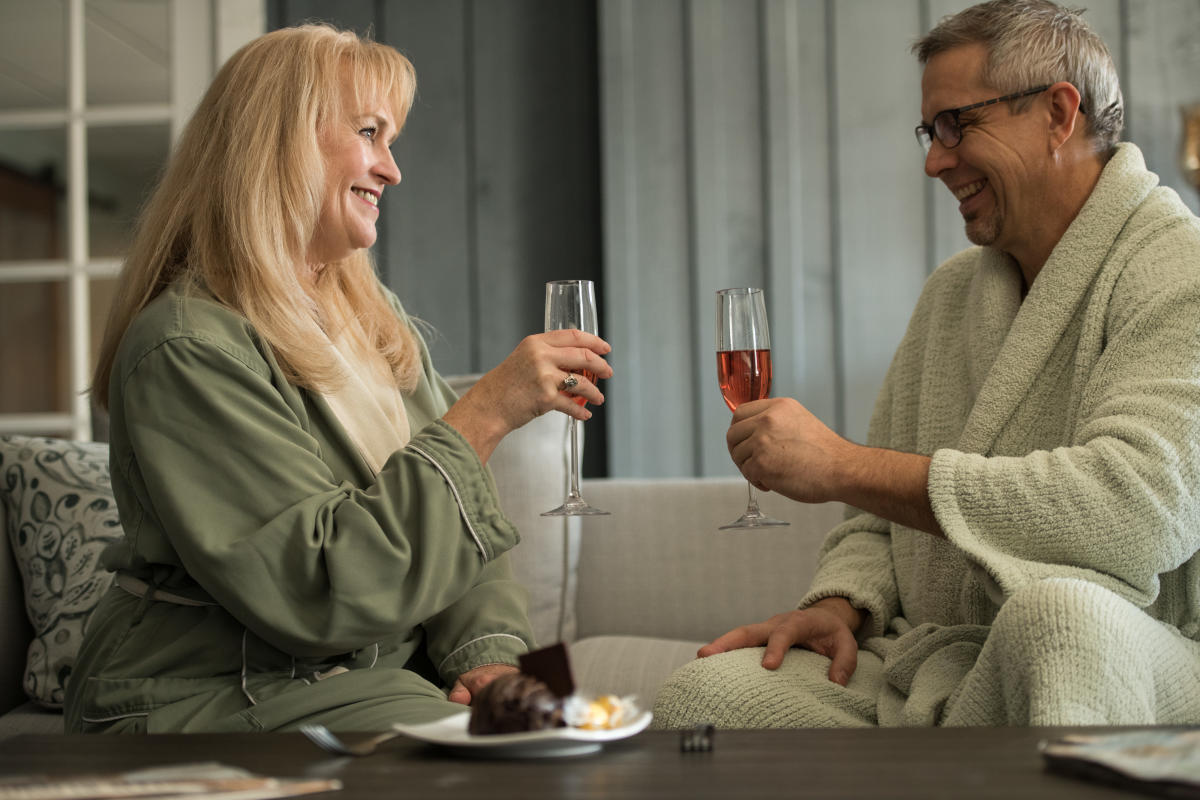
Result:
pixel 1064 113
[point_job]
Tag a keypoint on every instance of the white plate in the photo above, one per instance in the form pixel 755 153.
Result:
pixel 452 732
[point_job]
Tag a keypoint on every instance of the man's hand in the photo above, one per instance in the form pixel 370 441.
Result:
pixel 471 681
pixel 826 627
pixel 779 446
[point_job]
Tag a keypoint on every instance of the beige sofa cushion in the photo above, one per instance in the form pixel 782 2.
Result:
pixel 705 581
pixel 628 665
pixel 531 476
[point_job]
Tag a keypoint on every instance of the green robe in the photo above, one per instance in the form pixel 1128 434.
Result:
pixel 305 587
pixel 1064 432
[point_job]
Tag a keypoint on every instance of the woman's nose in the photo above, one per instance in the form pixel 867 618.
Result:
pixel 387 170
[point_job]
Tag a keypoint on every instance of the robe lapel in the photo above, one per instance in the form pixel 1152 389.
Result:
pixel 993 300
pixel 1055 303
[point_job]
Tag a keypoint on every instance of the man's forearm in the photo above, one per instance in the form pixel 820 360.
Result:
pixel 889 484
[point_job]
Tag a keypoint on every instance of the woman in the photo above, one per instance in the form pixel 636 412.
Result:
pixel 311 534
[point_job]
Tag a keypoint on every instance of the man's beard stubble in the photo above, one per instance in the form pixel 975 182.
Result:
pixel 983 230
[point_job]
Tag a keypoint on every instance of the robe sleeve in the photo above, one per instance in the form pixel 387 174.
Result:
pixel 1119 506
pixel 489 624
pixel 856 563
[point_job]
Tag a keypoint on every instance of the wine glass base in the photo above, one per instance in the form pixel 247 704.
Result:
pixel 577 508
pixel 754 521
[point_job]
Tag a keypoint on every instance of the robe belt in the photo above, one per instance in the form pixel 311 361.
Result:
pixel 139 588
pixel 148 593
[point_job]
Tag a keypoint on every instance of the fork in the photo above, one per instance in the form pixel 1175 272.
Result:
pixel 329 741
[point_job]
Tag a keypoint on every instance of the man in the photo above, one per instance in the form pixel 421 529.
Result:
pixel 1021 539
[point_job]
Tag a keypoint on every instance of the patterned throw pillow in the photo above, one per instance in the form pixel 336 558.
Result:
pixel 59 515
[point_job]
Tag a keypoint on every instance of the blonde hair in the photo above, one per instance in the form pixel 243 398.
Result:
pixel 240 199
pixel 1036 42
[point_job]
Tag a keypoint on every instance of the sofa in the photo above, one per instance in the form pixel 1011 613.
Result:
pixel 633 594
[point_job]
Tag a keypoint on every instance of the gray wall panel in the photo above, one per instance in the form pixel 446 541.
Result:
pixel 649 307
pixel 358 15
pixel 536 151
pixel 881 225
pixel 1164 73
pixel 728 223
pixel 946 234
pixel 427 256
pixel 800 274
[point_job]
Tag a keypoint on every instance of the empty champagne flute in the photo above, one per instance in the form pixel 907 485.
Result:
pixel 572 304
pixel 744 370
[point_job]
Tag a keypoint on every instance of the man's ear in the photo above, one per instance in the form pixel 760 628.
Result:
pixel 1064 113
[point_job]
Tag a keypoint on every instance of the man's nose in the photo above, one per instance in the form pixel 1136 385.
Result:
pixel 938 158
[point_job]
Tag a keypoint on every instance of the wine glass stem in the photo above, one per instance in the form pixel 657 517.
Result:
pixel 752 504
pixel 574 494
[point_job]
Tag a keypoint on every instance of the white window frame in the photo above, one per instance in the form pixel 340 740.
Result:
pixel 203 34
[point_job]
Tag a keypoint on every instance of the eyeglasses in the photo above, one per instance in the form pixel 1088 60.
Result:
pixel 947 127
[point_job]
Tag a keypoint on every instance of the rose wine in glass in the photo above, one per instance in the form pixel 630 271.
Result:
pixel 744 371
pixel 572 304
pixel 744 375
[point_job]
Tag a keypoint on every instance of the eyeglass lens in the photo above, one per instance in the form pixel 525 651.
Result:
pixel 945 128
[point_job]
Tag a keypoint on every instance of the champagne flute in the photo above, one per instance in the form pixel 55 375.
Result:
pixel 744 370
pixel 572 304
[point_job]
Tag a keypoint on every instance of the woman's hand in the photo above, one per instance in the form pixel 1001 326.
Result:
pixel 826 627
pixel 529 383
pixel 472 681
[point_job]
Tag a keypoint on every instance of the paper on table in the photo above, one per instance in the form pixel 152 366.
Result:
pixel 1161 762
pixel 209 780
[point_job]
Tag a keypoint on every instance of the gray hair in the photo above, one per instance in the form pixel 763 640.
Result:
pixel 1036 42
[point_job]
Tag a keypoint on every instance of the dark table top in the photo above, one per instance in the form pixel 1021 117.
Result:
pixel 890 763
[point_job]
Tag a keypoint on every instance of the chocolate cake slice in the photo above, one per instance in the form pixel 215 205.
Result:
pixel 515 703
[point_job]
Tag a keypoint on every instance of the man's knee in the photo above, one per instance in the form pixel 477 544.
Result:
pixel 734 690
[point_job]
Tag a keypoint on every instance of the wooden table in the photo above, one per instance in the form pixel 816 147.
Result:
pixel 908 763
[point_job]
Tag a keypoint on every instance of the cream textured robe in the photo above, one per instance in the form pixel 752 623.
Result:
pixel 1065 436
